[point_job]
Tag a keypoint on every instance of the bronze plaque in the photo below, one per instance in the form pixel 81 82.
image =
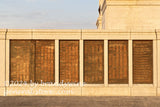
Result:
pixel 69 61
pixel 118 62
pixel 22 60
pixel 45 61
pixel 143 62
pixel 94 61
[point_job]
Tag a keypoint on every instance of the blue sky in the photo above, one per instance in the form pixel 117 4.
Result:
pixel 48 14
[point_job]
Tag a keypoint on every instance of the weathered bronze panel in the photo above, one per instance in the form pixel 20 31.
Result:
pixel 69 61
pixel 94 61
pixel 118 62
pixel 143 62
pixel 22 60
pixel 45 61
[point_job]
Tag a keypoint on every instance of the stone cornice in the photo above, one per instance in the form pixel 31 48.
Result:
pixel 15 31
pixel 84 34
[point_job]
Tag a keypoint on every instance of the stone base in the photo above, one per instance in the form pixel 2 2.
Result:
pixel 79 91
pixel 2 91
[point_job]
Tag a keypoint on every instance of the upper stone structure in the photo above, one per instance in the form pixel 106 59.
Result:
pixel 129 14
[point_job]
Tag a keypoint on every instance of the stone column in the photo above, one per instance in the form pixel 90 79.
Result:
pixel 57 62
pixel 106 62
pixel 2 62
pixel 155 63
pixel 130 63
pixel 158 62
pixel 81 62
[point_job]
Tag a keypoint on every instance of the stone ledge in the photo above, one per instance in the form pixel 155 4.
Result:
pixel 80 91
pixel 56 34
pixel 2 91
pixel 103 91
pixel 143 36
pixel 43 91
pixel 80 34
pixel 19 34
pixel 143 91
